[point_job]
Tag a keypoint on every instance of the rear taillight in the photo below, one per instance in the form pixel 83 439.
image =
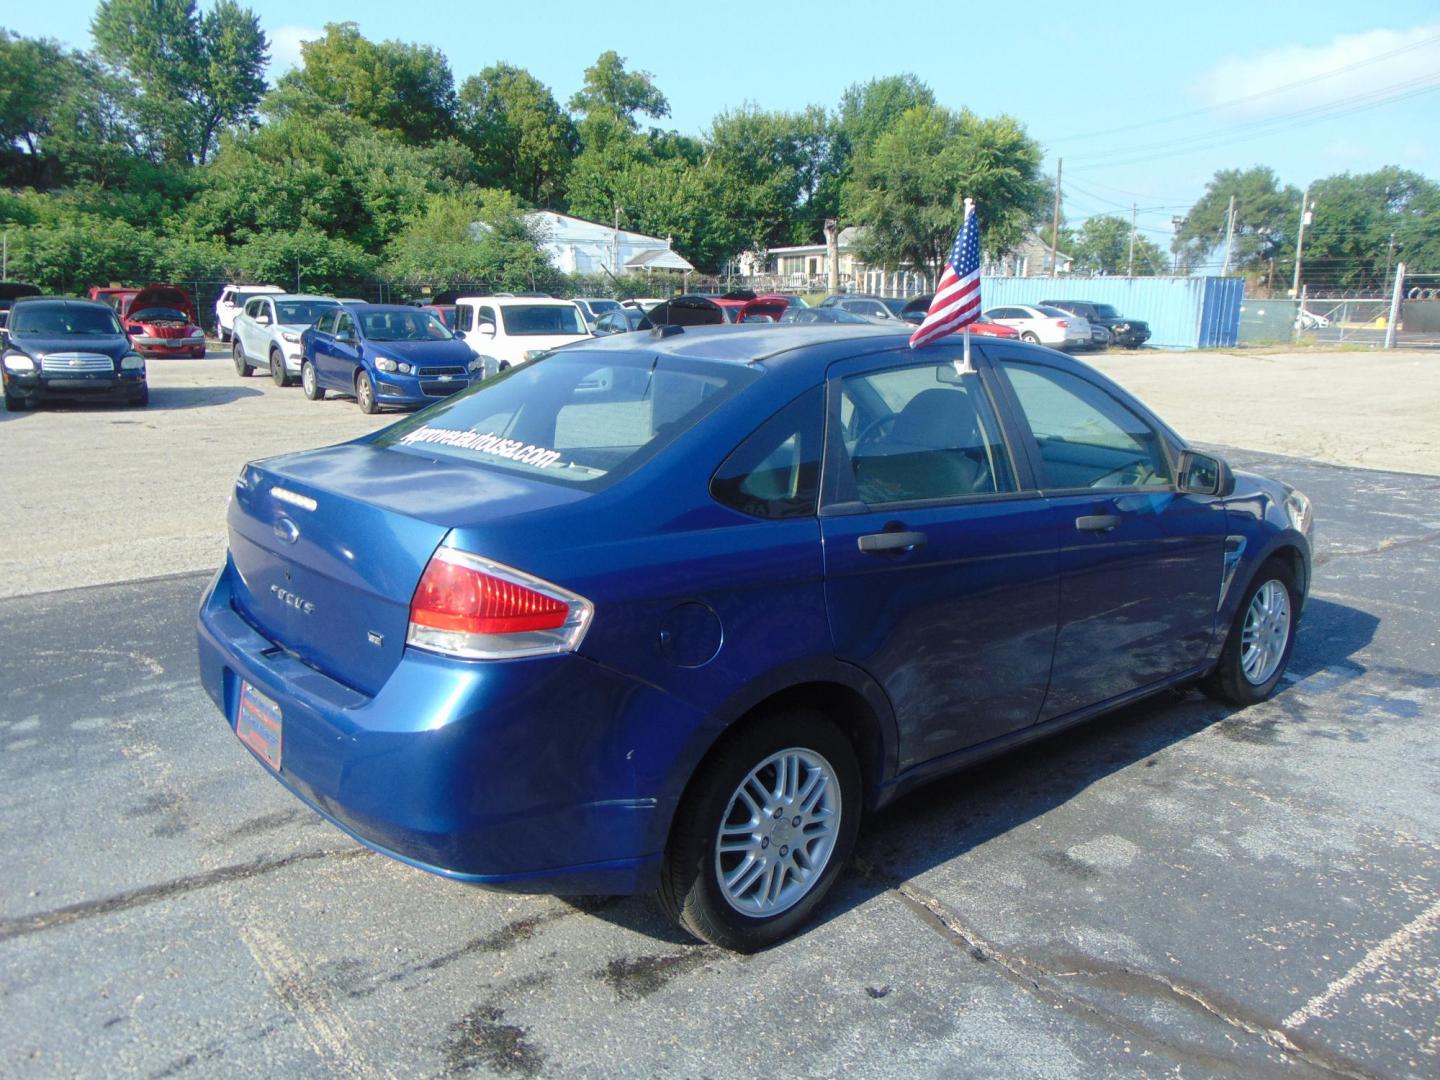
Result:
pixel 471 607
pixel 1062 324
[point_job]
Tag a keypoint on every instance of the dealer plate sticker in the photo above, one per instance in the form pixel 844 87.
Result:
pixel 259 724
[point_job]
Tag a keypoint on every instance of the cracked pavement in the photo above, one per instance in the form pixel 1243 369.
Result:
pixel 1175 889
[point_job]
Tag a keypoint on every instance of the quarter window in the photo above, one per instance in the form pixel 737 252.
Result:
pixel 922 432
pixel 1086 438
pixel 775 472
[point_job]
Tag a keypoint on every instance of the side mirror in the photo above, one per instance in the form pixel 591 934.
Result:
pixel 485 329
pixel 262 320
pixel 346 336
pixel 1201 474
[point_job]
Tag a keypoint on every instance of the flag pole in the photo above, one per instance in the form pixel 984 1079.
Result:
pixel 967 368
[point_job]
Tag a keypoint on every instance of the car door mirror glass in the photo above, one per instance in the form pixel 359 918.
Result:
pixel 1201 474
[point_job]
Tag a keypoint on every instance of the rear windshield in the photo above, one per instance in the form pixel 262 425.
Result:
pixel 62 319
pixel 302 312
pixel 542 319
pixel 1053 312
pixel 578 418
pixel 600 307
pixel 895 304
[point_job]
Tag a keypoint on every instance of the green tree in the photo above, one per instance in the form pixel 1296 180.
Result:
pixel 404 89
pixel 612 94
pixel 1266 217
pixel 908 190
pixel 35 75
pixel 475 236
pixel 1102 246
pixel 1349 240
pixel 869 110
pixel 195 75
pixel 523 141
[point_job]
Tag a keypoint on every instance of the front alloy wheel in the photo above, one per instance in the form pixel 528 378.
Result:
pixel 1265 633
pixel 310 382
pixel 1261 639
pixel 365 394
pixel 763 831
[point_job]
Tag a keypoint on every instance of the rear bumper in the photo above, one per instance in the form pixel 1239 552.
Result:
pixel 552 774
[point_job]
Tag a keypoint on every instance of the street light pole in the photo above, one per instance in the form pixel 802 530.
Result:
pixel 1300 240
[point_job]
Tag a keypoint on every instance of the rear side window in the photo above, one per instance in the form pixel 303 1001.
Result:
pixel 921 433
pixel 775 472
pixel 578 418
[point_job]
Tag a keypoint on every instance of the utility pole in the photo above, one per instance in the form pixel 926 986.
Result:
pixel 1389 255
pixel 1131 271
pixel 1229 235
pixel 1300 240
pixel 1055 227
pixel 832 254
pixel 1175 223
pixel 615 258
pixel 1395 306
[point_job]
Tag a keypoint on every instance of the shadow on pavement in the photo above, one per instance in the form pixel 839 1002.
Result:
pixel 966 809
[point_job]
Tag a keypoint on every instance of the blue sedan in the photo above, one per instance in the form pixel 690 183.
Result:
pixel 385 354
pixel 672 611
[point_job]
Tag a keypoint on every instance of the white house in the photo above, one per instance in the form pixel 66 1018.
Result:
pixel 576 246
pixel 1030 258
pixel 807 266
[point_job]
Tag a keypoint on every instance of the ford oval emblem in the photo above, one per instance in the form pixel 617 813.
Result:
pixel 287 531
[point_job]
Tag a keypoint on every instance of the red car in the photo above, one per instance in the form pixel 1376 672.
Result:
pixel 745 306
pixel 160 320
pixel 444 312
pixel 117 296
pixel 914 314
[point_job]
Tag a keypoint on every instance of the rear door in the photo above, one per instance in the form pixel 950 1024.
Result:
pixel 1141 562
pixel 941 566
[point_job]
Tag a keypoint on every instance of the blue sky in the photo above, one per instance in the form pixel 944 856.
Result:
pixel 1140 101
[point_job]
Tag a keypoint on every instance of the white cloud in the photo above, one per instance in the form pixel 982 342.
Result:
pixel 1243 76
pixel 285 42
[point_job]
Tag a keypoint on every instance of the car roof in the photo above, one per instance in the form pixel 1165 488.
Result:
pixel 528 301
pixel 301 296
pixel 361 307
pixel 254 288
pixel 74 301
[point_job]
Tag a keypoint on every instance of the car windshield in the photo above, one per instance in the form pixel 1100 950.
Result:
pixel 542 319
pixel 302 312
pixel 63 319
pixel 1105 311
pixel 895 304
pixel 150 314
pixel 600 307
pixel 409 325
pixel 580 418
pixel 240 299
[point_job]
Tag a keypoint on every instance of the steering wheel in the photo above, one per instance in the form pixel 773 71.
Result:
pixel 873 428
pixel 1131 474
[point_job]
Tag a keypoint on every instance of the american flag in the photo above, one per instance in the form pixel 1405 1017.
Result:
pixel 957 296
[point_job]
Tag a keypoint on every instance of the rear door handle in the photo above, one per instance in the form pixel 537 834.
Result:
pixel 892 541
pixel 1097 522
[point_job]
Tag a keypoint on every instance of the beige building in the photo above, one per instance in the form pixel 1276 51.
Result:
pixel 806 268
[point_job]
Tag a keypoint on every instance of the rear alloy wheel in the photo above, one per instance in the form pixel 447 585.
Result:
pixel 1261 639
pixel 243 367
pixel 310 383
pixel 765 829
pixel 277 368
pixel 1031 337
pixel 365 394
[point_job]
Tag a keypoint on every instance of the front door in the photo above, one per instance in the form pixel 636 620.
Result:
pixel 941 568
pixel 1141 562
pixel 341 355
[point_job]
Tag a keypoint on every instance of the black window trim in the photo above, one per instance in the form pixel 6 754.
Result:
pixel 837 496
pixel 1170 444
pixel 824 453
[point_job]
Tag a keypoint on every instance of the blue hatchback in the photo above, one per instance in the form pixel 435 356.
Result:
pixel 385 354
pixel 670 611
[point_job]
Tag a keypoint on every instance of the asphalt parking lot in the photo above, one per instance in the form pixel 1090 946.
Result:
pixel 1177 889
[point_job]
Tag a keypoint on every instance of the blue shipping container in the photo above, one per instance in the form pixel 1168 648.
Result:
pixel 1183 312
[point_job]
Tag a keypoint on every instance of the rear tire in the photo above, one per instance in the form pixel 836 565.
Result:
pixel 310 383
pixel 785 792
pixel 1261 639
pixel 365 394
pixel 1030 337
pixel 243 367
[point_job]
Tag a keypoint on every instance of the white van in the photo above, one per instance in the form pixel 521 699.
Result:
pixel 514 329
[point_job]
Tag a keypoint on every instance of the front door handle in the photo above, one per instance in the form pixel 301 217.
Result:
pixel 892 541
pixel 1097 522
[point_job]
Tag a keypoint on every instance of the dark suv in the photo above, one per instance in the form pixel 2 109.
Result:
pixel 61 348
pixel 1131 333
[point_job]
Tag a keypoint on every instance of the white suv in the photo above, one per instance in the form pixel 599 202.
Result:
pixel 232 301
pixel 267 333
pixel 514 329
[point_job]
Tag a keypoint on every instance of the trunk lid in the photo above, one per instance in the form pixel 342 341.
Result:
pixel 328 546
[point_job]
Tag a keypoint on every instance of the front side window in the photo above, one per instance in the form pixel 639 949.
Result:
pixel 775 472
pixel 464 318
pixel 919 433
pixel 1086 438
pixel 344 325
pixel 578 418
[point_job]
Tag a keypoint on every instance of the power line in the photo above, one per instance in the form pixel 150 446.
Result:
pixel 1252 97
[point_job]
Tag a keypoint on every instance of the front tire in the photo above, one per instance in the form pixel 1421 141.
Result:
pixel 765 829
pixel 310 383
pixel 365 394
pixel 141 397
pixel 1261 640
pixel 243 367
pixel 15 403
pixel 277 368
